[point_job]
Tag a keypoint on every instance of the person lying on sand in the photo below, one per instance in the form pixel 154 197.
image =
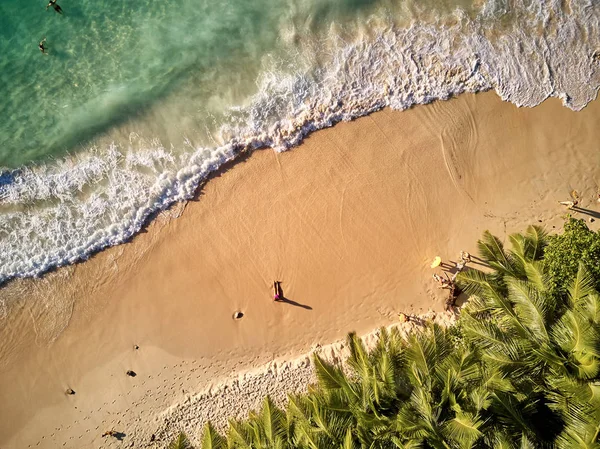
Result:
pixel 465 257
pixel 55 5
pixel 444 282
pixel 574 202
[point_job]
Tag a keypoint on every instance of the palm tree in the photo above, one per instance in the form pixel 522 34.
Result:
pixel 546 346
pixel 521 369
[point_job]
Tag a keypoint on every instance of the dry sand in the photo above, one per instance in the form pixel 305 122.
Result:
pixel 349 222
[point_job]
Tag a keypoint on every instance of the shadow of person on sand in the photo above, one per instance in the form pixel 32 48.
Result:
pixel 282 298
pixel 590 212
pixel 113 433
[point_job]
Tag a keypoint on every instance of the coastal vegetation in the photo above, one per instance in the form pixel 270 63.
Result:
pixel 519 369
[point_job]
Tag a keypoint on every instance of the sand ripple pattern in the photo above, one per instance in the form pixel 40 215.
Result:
pixel 62 212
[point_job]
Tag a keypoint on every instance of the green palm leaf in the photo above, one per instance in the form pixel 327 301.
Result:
pixel 510 412
pixel 536 275
pixel 181 442
pixel 211 439
pixel 492 251
pixel 331 377
pixel 463 429
pixel 582 286
pixel 537 240
pixel 272 422
pixel 531 307
pixel 240 435
pixel 349 441
pixel 590 307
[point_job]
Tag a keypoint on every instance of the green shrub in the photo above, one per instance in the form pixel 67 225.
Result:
pixel 564 252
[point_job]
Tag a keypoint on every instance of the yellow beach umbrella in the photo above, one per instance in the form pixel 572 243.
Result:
pixel 436 262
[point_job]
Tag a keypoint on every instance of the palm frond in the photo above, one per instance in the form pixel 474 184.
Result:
pixel 349 441
pixel 537 276
pixel 590 308
pixel 531 307
pixel 537 240
pixel 272 422
pixel 463 429
pixel 239 435
pixel 475 282
pixel 181 442
pixel 510 411
pixel 491 250
pixel 211 439
pixel 582 286
pixel 359 359
pixel 526 443
pixel 406 444
pixel 332 377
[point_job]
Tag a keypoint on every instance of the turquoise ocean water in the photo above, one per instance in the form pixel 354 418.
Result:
pixel 137 101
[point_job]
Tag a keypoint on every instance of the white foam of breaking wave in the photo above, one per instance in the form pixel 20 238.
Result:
pixel 62 212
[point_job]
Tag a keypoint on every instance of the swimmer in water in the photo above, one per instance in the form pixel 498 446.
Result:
pixel 55 5
pixel 42 47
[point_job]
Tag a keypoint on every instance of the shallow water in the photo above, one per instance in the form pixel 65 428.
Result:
pixel 137 102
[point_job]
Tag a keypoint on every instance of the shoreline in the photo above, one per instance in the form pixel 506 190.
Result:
pixel 349 222
pixel 236 395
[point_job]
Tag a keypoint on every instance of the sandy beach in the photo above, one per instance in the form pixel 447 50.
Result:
pixel 349 222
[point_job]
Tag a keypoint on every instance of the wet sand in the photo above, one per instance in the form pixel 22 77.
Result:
pixel 348 222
